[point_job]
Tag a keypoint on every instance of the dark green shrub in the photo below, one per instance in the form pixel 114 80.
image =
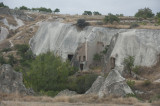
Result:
pixel 2 60
pixel 144 13
pixel 2 5
pixel 106 49
pixel 136 69
pixel 56 10
pixel 12 60
pixel 111 18
pixel 129 63
pixel 131 83
pixel 47 73
pixel 158 15
pixel 23 8
pixel 146 82
pixel 43 9
pixel 81 23
pixel 134 25
pixel 97 57
pixel 87 13
pixel 82 83
pixel 96 13
pixel 22 48
pixel 6 50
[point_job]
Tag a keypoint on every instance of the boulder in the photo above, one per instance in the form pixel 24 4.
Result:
pixel 12 81
pixel 114 84
pixel 66 92
pixel 96 85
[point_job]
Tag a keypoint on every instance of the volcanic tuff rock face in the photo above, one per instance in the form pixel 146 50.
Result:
pixel 3 33
pixel 114 84
pixel 18 13
pixel 96 85
pixel 143 44
pixel 64 39
pixel 11 81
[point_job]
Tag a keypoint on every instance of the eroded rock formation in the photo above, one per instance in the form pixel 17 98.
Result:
pixel 12 81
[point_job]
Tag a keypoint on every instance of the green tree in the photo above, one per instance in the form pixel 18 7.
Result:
pixel 97 57
pixel 129 63
pixel 2 60
pixel 87 13
pixel 23 8
pixel 48 73
pixel 2 5
pixel 111 18
pixel 158 15
pixel 96 13
pixel 144 13
pixel 81 23
pixel 56 10
pixel 42 9
pixel 11 60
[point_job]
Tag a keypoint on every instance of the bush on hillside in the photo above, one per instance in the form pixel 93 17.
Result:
pixel 48 73
pixel 2 5
pixel 97 57
pixel 2 60
pixel 82 83
pixel 43 9
pixel 12 60
pixel 96 13
pixel 23 8
pixel 129 63
pixel 131 83
pixel 158 15
pixel 6 50
pixel 134 25
pixel 87 13
pixel 56 10
pixel 81 23
pixel 144 13
pixel 111 18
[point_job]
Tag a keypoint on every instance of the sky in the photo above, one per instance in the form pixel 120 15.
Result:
pixel 126 7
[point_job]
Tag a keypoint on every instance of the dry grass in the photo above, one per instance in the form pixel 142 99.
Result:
pixel 10 19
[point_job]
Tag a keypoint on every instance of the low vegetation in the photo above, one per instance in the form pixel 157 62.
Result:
pixel 131 83
pixel 87 13
pixel 42 9
pixel 147 83
pixel 81 23
pixel 145 13
pixel 110 18
pixel 97 57
pixel 134 25
pixel 129 64
pixel 2 5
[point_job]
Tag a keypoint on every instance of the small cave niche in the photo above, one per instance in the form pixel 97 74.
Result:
pixel 113 60
pixel 81 66
pixel 70 57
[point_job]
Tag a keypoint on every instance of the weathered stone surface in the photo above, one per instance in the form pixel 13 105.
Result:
pixel 3 33
pixel 66 92
pixel 158 80
pixel 11 81
pixel 96 85
pixel 114 84
pixel 18 13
